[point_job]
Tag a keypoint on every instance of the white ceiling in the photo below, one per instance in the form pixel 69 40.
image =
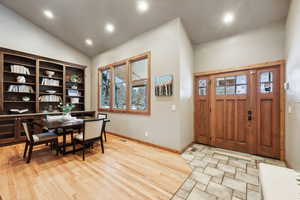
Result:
pixel 76 20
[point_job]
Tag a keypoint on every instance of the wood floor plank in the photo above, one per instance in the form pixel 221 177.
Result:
pixel 128 170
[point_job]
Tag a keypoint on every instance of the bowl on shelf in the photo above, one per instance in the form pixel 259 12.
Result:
pixel 21 79
pixel 49 73
pixel 51 91
pixel 26 98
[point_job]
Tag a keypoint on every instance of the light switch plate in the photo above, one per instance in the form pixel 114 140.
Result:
pixel 290 109
pixel 173 107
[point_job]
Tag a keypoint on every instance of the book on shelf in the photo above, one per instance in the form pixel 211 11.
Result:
pixel 20 88
pixel 73 92
pixel 20 111
pixel 50 98
pixel 74 100
pixel 19 69
pixel 50 82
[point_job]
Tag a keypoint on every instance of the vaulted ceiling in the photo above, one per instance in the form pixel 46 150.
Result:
pixel 76 20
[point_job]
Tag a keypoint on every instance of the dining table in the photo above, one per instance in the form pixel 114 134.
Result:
pixel 62 128
pixel 75 125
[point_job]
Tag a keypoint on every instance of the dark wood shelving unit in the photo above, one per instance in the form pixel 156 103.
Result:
pixel 37 66
pixel 69 85
pixel 58 70
pixel 11 99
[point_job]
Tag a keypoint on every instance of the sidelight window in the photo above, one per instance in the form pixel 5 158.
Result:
pixel 202 87
pixel 266 82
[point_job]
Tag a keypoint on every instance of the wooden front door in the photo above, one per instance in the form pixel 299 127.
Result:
pixel 240 110
pixel 230 104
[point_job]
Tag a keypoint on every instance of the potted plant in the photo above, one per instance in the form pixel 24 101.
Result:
pixel 75 79
pixel 66 109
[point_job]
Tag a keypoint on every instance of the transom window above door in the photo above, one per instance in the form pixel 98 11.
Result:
pixel 232 85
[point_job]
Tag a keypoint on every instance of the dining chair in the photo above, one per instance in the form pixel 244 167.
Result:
pixel 37 139
pixel 92 132
pixel 104 117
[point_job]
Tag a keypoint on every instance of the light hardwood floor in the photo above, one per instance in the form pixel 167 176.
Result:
pixel 127 170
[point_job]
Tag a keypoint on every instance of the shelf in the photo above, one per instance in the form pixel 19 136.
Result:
pixel 50 102
pixel 19 63
pixel 6 101
pixel 74 89
pixel 74 82
pixel 74 96
pixel 18 74
pixel 51 86
pixel 46 93
pixel 20 92
pixel 50 69
pixel 57 78
pixel 13 82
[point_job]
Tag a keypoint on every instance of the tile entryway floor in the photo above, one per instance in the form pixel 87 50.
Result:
pixel 221 174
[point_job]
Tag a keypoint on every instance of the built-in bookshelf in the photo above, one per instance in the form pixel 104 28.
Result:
pixel 34 84
pixel 19 83
pixel 74 87
pixel 51 83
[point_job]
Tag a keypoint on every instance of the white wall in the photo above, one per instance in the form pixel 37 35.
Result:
pixel 163 125
pixel 186 56
pixel 17 33
pixel 293 94
pixel 257 46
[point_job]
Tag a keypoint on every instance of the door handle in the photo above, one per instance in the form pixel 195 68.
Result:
pixel 249 115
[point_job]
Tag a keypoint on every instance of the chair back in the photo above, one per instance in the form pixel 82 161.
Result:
pixel 93 129
pixel 27 132
pixel 102 116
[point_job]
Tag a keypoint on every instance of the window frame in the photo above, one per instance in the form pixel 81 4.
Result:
pixel 129 83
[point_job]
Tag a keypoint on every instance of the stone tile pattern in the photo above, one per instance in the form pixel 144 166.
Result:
pixel 217 176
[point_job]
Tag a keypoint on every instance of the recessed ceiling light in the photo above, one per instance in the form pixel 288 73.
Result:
pixel 48 14
pixel 142 6
pixel 110 28
pixel 228 18
pixel 89 42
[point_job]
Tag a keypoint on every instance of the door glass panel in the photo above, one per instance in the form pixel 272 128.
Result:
pixel 202 84
pixel 220 90
pixel 230 81
pixel 232 85
pixel 230 90
pixel 265 77
pixel 202 92
pixel 266 88
pixel 220 82
pixel 241 79
pixel 241 89
pixel 266 82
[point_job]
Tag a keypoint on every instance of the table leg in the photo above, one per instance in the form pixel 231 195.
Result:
pixel 64 143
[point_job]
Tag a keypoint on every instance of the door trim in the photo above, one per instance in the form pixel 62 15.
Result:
pixel 281 65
